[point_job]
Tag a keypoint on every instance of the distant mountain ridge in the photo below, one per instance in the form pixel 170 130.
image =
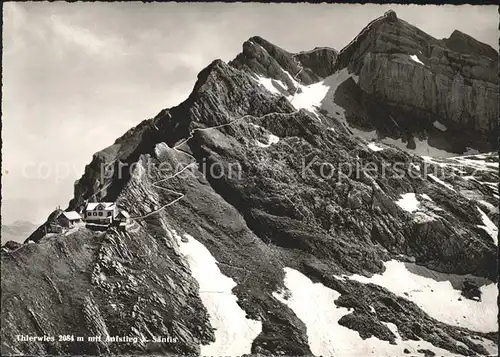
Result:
pixel 17 231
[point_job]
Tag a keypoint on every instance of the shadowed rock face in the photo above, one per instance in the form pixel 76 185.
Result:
pixel 291 188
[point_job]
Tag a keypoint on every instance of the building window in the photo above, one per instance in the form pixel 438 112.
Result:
pixel 89 214
pixel 109 214
pixel 95 213
pixel 100 214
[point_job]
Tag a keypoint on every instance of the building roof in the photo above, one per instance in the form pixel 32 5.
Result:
pixel 124 214
pixel 72 215
pixel 92 205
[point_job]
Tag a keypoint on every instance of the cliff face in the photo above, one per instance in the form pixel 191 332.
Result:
pixel 453 81
pixel 254 180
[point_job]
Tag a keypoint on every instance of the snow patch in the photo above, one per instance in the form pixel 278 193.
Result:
pixel 408 202
pixel 295 83
pixel 313 303
pixel 422 217
pixel 489 206
pixel 433 161
pixel 488 226
pixel 374 147
pixel 438 298
pixel 414 58
pixel 318 95
pixel 439 126
pixel 477 164
pixel 310 96
pixel 270 84
pixel 492 185
pixel 234 333
pixel 441 182
pixel 393 328
pixel 273 139
pixel 426 197
pixel 161 149
pixel 490 346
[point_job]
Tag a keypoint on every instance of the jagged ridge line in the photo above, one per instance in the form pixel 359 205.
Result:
pixel 368 27
pixel 293 57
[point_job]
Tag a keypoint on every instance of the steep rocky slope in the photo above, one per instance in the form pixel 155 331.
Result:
pixel 263 222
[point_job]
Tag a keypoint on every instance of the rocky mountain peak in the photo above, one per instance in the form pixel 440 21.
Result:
pixel 389 52
pixel 215 68
pixel 262 58
pixel 391 16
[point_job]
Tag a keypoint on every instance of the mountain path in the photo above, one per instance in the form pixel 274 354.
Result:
pixel 191 135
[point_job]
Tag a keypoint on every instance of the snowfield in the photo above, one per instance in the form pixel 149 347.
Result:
pixel 477 163
pixel 437 297
pixel 234 333
pixel 488 226
pixel 313 303
pixel 310 97
pixel 321 95
pixel 316 96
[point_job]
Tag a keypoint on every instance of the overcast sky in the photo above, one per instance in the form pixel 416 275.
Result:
pixel 78 75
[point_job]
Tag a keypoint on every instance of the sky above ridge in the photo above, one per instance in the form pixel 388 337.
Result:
pixel 78 75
